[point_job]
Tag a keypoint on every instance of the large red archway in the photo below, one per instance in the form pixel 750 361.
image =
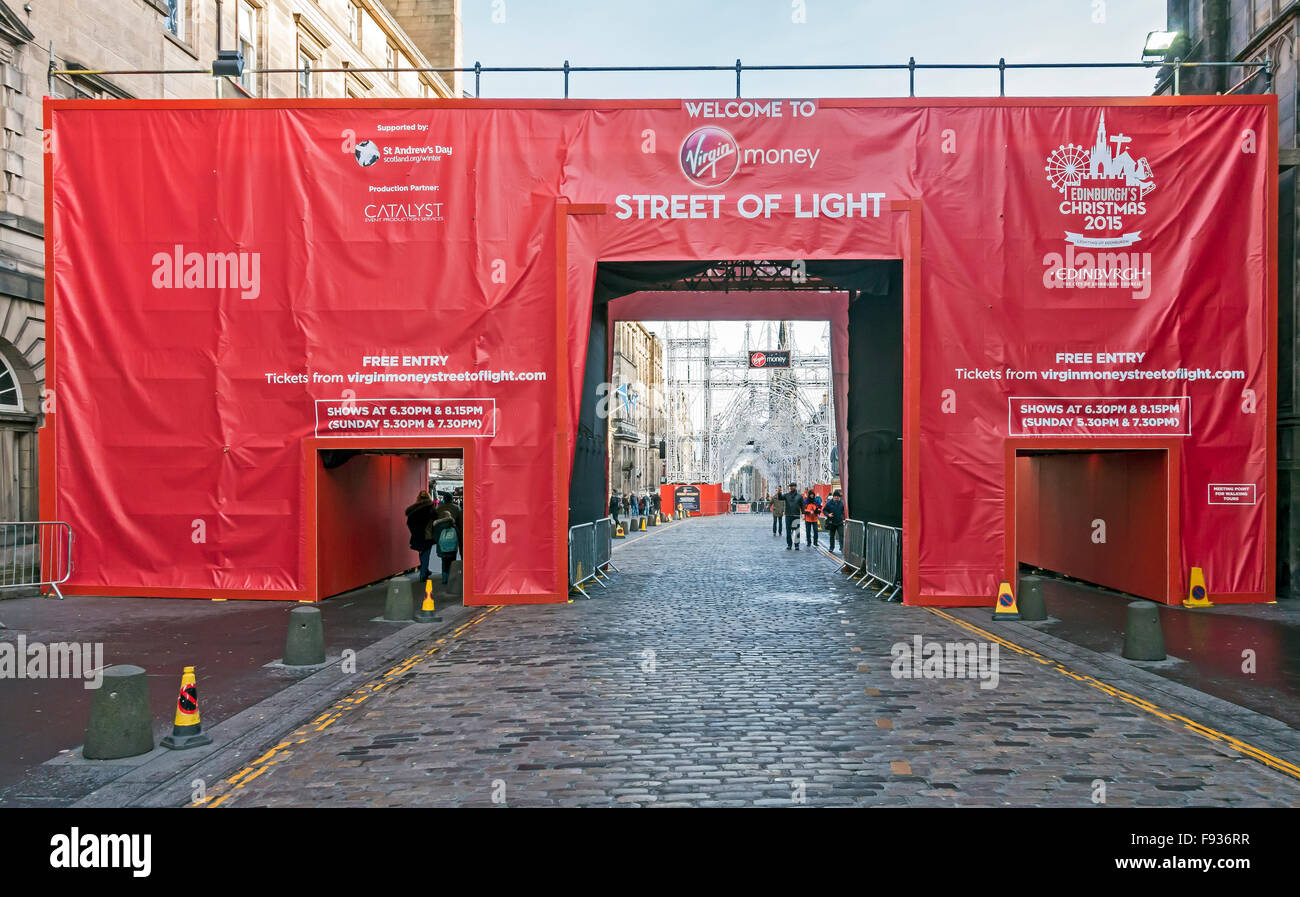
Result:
pixel 1100 270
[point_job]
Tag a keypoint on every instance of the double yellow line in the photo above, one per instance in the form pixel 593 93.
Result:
pixel 1201 729
pixel 284 749
pixel 1141 703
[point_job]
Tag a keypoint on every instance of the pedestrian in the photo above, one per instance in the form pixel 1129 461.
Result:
pixel 793 502
pixel 778 508
pixel 457 517
pixel 419 520
pixel 614 506
pixel 834 514
pixel 810 514
pixel 446 540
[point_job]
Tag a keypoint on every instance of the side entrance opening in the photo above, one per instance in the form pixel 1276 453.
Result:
pixel 361 527
pixel 1097 516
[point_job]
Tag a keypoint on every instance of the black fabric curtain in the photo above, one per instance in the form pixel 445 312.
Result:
pixel 875 404
pixel 587 499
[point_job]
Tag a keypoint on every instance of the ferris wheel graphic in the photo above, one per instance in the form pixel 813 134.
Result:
pixel 1066 166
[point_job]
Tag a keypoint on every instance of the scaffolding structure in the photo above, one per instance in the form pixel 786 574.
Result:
pixel 752 429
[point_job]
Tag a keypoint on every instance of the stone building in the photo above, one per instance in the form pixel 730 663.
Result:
pixel 636 410
pixel 1245 31
pixel 42 41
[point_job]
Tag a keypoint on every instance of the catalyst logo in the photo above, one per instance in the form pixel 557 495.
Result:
pixel 709 156
pixel 399 212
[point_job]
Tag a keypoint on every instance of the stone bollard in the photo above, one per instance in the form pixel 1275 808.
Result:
pixel 1143 638
pixel 120 724
pixel 304 646
pixel 1032 606
pixel 400 604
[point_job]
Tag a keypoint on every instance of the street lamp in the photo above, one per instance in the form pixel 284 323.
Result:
pixel 1158 45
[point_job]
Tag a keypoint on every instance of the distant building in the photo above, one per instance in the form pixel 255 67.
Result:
pixel 309 35
pixel 636 415
pixel 1246 31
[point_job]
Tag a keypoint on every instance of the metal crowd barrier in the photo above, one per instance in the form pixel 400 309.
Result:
pixel 854 545
pixel 883 554
pixel 605 545
pixel 35 554
pixel 591 547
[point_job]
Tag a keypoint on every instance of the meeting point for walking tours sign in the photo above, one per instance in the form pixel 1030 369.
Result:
pixel 236 286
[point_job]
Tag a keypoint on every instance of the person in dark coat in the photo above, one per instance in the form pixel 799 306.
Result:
pixel 614 507
pixel 418 517
pixel 793 511
pixel 454 510
pixel 442 522
pixel 834 515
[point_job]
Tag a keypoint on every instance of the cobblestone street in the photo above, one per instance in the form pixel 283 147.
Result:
pixel 720 669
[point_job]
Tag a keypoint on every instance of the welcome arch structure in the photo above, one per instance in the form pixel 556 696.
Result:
pixel 1100 270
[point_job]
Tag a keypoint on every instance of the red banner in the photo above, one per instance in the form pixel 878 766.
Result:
pixel 228 279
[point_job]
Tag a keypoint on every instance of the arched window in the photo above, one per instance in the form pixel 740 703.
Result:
pixel 11 396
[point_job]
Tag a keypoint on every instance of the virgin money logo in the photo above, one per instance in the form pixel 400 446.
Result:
pixel 710 156
pixel 757 360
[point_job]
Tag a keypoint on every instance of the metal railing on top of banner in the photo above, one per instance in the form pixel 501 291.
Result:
pixel 37 553
pixel 1175 66
pixel 876 552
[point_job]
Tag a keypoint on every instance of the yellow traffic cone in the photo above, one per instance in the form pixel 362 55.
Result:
pixel 618 532
pixel 1196 593
pixel 427 612
pixel 642 524
pixel 187 731
pixel 1006 608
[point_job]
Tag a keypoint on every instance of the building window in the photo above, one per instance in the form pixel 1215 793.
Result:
pixel 305 75
pixel 11 397
pixel 248 41
pixel 175 21
pixel 1263 13
pixel 354 24
pixel 390 60
pixel 1193 21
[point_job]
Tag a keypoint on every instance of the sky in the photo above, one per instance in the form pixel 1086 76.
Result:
pixel 766 32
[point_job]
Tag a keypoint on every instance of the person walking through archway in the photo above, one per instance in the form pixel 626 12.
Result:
pixel 445 540
pixel 793 502
pixel 419 520
pixel 811 511
pixel 833 513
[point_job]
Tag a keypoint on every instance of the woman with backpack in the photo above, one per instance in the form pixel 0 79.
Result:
pixel 445 540
pixel 419 520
